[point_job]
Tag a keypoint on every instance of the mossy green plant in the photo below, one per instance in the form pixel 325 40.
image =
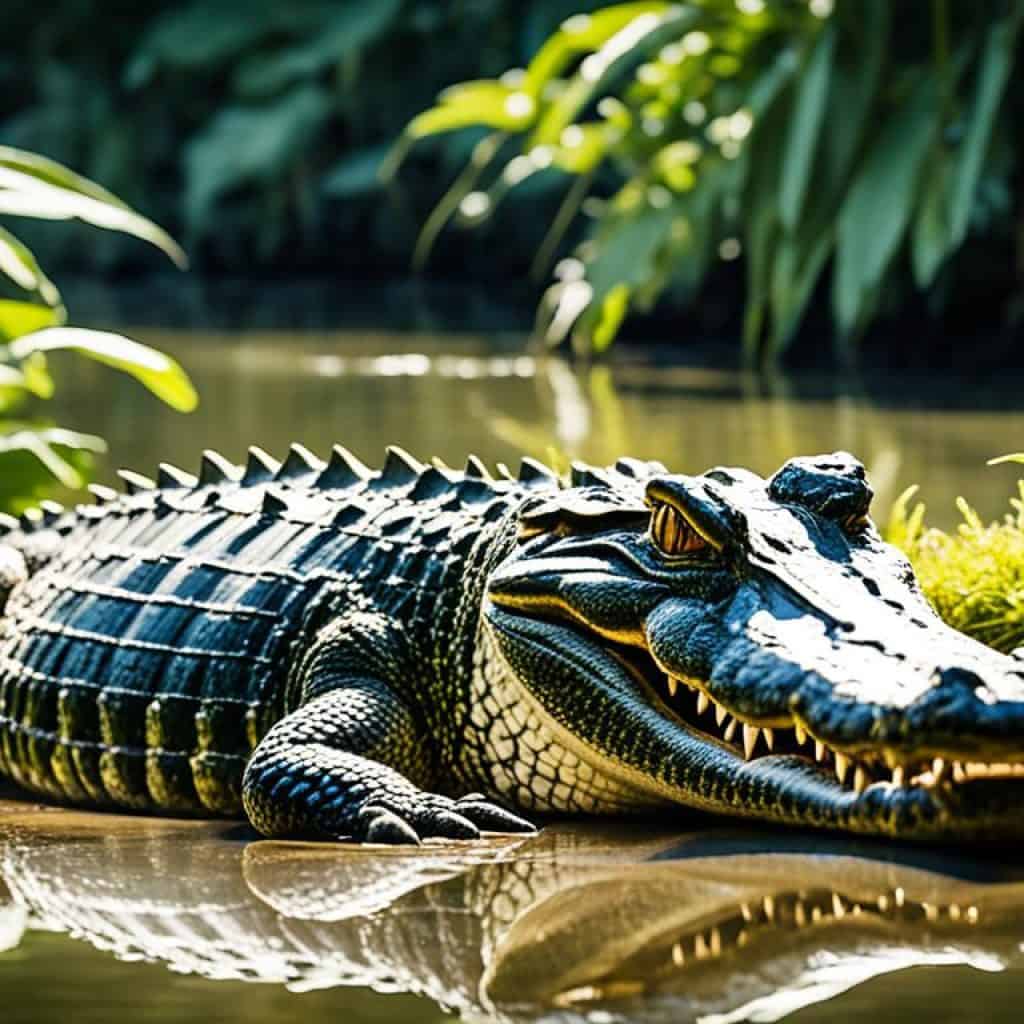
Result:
pixel 974 576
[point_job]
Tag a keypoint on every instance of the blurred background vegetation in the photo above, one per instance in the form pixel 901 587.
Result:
pixel 771 170
pixel 36 456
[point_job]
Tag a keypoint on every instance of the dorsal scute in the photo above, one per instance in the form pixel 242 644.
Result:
pixel 638 469
pixel 399 468
pixel 259 466
pixel 300 461
pixel 475 468
pixel 135 482
pixel 103 495
pixel 51 510
pixel 273 504
pixel 432 483
pixel 30 520
pixel 215 469
pixel 168 476
pixel 343 469
pixel 472 491
pixel 534 473
pixel 583 475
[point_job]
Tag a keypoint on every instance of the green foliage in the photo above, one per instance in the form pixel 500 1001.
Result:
pixel 806 134
pixel 34 454
pixel 256 131
pixel 973 577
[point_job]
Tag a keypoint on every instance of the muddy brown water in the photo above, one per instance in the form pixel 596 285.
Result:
pixel 112 918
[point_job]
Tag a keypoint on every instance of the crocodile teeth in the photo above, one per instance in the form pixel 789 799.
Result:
pixel 769 738
pixel 769 908
pixel 703 702
pixel 750 734
pixel 720 714
pixel 673 685
pixel 939 769
pixel 838 907
pixel 678 955
pixel 801 734
pixel 898 775
pixel 700 947
pixel 819 750
pixel 716 942
pixel 842 766
pixel 730 730
pixel 860 780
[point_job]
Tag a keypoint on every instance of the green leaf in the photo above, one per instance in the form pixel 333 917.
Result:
pixel 799 261
pixel 358 174
pixel 18 317
pixel 931 240
pixel 242 145
pixel 627 245
pixel 31 377
pixel 804 129
pixel 32 186
pixel 353 28
pixel 201 35
pixel 493 104
pixel 613 311
pixel 876 211
pixel 158 372
pixel 853 88
pixel 582 148
pixel 643 33
pixel 997 61
pixel 31 457
pixel 18 263
pixel 766 150
pixel 582 33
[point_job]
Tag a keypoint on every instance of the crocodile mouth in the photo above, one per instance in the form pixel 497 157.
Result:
pixel 688 703
pixel 715 938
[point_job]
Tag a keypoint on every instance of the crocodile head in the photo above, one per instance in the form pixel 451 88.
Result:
pixel 753 647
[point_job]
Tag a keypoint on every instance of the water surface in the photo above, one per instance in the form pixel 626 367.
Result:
pixel 111 918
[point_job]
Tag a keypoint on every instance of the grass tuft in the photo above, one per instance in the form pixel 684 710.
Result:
pixel 974 577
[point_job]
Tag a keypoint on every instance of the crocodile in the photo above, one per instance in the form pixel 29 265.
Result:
pixel 416 652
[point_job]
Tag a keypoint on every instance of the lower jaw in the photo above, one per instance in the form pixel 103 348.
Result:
pixel 771 791
pixel 936 801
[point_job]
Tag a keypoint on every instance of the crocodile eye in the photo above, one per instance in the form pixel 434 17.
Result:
pixel 672 533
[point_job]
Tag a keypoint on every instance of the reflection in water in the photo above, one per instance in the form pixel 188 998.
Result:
pixel 704 926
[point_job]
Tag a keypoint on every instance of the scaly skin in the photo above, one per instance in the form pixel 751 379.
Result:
pixel 393 656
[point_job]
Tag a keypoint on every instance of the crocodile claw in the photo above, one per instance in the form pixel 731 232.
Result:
pixel 490 817
pixel 450 825
pixel 379 825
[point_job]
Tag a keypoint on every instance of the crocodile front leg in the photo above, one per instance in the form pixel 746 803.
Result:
pixel 352 763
